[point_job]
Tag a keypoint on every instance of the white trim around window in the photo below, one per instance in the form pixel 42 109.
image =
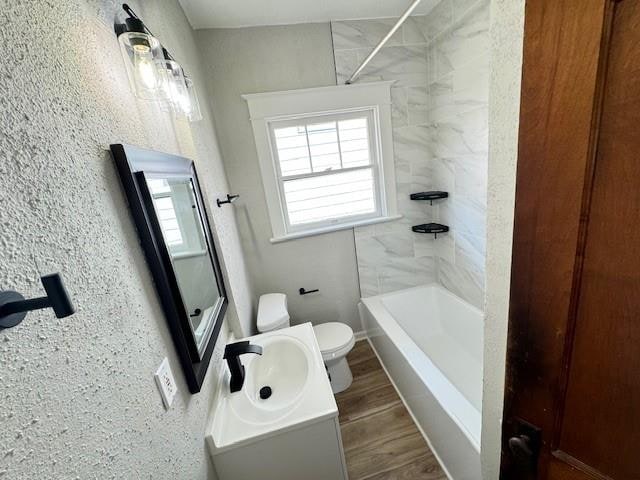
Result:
pixel 313 146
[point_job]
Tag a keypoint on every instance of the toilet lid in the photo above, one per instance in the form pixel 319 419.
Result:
pixel 332 336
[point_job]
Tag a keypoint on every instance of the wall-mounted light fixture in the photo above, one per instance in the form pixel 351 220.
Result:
pixel 175 86
pixel 193 111
pixel 153 73
pixel 141 52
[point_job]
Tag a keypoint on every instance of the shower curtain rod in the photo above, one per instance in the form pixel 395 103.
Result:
pixel 386 38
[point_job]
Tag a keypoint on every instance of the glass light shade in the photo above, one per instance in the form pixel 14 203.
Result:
pixel 175 87
pixel 194 112
pixel 141 52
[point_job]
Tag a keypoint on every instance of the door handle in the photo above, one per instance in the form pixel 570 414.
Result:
pixel 521 448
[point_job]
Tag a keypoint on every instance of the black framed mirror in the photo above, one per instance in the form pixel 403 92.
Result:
pixel 167 207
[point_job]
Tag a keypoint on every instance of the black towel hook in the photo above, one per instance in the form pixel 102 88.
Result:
pixel 14 307
pixel 230 199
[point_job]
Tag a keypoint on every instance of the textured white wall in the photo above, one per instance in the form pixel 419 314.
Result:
pixel 263 59
pixel 78 395
pixel 507 21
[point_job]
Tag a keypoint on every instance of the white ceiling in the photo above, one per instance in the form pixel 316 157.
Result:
pixel 244 13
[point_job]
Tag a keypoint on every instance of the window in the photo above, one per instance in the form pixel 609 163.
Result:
pixel 325 170
pixel 174 203
pixel 169 221
pixel 161 193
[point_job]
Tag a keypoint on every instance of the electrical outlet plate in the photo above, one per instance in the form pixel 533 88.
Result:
pixel 166 383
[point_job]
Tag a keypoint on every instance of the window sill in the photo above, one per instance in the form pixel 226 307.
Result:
pixel 332 228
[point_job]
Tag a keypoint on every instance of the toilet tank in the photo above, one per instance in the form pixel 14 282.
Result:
pixel 272 312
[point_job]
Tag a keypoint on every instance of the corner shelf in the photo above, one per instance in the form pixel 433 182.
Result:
pixel 430 196
pixel 430 228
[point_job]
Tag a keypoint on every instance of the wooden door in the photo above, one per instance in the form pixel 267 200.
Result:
pixel 572 399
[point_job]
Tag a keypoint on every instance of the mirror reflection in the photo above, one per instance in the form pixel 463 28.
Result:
pixel 182 227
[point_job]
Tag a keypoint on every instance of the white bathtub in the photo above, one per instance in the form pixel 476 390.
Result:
pixel 430 343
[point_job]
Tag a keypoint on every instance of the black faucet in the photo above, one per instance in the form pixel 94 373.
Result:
pixel 232 354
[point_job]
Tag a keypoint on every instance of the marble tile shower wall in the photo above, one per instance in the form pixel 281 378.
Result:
pixel 458 115
pixel 390 256
pixel 440 64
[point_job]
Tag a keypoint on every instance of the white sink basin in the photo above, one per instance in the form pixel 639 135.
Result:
pixel 284 368
pixel 291 365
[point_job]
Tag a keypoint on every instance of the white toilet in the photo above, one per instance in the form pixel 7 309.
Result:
pixel 335 339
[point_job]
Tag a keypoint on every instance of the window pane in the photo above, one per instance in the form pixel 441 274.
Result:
pixel 168 220
pixel 293 150
pixel 354 142
pixel 332 196
pixel 322 146
pixel 354 123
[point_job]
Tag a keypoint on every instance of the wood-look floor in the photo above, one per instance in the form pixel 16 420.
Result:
pixel 380 440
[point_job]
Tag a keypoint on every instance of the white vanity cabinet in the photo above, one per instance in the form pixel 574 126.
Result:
pixel 291 434
pixel 311 452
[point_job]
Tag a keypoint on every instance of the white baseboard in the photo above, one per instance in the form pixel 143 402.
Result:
pixel 361 335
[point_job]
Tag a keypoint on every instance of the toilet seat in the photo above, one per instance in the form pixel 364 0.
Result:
pixel 335 339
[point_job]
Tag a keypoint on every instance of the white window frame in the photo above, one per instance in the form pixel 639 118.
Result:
pixel 269 110
pixel 374 166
